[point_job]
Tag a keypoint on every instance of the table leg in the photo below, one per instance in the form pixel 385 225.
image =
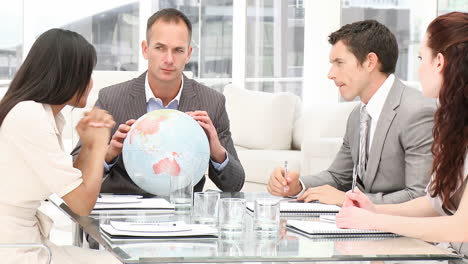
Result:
pixel 77 235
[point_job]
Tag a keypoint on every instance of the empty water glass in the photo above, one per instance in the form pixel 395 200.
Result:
pixel 231 215
pixel 266 215
pixel 205 207
pixel 181 192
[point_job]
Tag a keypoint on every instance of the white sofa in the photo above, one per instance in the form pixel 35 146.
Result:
pixel 268 129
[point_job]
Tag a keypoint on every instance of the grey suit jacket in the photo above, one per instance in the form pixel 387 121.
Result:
pixel 127 100
pixel 400 157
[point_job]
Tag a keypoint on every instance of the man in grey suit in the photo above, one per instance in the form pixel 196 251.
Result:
pixel 167 49
pixel 387 144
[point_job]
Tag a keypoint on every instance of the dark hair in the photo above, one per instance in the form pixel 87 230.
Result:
pixel 58 67
pixel 448 35
pixel 367 36
pixel 168 15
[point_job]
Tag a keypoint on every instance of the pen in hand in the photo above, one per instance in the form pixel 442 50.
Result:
pixel 354 179
pixel 286 188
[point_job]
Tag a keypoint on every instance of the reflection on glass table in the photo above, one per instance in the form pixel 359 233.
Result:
pixel 250 246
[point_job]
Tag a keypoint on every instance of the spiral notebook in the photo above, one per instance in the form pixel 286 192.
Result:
pixel 320 229
pixel 294 208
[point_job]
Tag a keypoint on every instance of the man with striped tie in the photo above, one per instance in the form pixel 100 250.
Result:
pixel 387 144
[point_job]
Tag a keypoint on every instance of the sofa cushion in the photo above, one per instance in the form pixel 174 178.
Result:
pixel 261 120
pixel 318 154
pixel 322 121
pixel 258 164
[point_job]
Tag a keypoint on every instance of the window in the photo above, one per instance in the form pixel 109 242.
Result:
pixel 112 29
pixel 405 18
pixel 11 42
pixel 270 33
pixel 447 6
pixel 274 45
pixel 211 60
pixel 114 34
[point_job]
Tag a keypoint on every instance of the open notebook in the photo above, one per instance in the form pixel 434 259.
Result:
pixel 300 208
pixel 167 230
pixel 124 202
pixel 321 229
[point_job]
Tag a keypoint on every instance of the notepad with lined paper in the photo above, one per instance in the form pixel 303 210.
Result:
pixel 294 208
pixel 320 229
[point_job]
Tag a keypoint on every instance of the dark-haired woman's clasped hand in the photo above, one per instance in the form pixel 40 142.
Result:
pixel 95 127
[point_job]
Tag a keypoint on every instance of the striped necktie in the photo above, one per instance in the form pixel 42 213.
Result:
pixel 363 141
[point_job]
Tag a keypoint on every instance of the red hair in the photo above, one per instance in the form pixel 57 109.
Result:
pixel 448 35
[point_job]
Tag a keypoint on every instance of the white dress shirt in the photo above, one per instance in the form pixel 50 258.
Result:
pixel 375 105
pixel 150 95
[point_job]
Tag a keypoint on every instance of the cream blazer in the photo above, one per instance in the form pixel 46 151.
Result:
pixel 33 165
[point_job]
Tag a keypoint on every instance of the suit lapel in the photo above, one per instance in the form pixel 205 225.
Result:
pixel 137 100
pixel 385 120
pixel 187 98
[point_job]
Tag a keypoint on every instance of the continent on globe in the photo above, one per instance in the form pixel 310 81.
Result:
pixel 148 126
pixel 168 165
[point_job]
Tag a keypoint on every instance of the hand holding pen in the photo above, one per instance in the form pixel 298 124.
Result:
pixel 286 188
pixel 354 178
pixel 284 182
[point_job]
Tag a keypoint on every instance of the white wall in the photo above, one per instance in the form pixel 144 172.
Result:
pixel 318 25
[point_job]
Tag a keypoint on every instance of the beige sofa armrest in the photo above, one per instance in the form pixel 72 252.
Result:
pixel 318 154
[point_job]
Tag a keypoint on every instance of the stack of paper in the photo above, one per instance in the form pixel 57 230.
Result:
pixel 161 230
pixel 109 202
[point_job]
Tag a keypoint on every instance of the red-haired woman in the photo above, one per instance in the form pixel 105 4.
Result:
pixel 442 215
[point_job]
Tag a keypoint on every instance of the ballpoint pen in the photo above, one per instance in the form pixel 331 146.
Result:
pixel 354 178
pixel 285 188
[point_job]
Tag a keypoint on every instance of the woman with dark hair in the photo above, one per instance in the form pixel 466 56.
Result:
pixel 33 164
pixel 442 215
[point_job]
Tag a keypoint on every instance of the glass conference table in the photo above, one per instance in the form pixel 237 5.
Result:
pixel 286 247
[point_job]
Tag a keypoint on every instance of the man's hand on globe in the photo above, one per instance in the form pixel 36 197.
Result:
pixel 217 151
pixel 116 144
